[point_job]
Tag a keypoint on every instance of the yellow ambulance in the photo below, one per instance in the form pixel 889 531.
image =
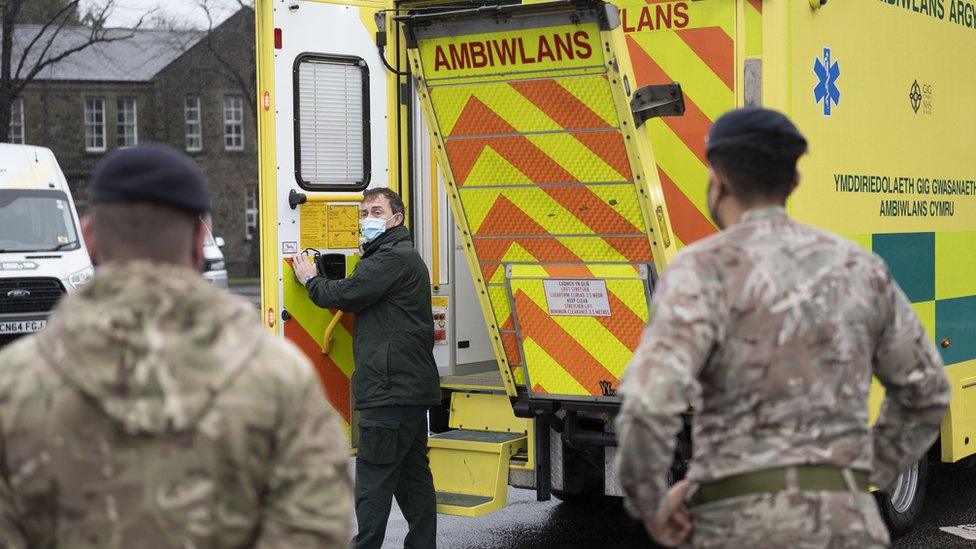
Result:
pixel 552 159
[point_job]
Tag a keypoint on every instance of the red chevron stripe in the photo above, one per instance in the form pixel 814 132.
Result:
pixel 626 326
pixel 609 146
pixel 477 119
pixel 537 325
pixel 512 351
pixel 335 383
pixel 568 271
pixel 570 113
pixel 510 342
pixel 687 220
pixel 756 4
pixel 536 165
pixel 544 250
pixel 715 48
pixel 506 218
pixel 690 128
pixel 561 106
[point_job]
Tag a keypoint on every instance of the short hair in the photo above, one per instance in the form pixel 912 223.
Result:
pixel 759 166
pixel 396 203
pixel 142 230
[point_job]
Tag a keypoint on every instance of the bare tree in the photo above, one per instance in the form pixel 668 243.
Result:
pixel 243 74
pixel 25 52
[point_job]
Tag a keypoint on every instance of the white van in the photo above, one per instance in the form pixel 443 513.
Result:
pixel 42 253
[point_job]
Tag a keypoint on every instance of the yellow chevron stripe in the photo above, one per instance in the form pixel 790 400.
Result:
pixel 594 92
pixel 535 202
pixel 492 169
pixel 575 158
pixel 554 380
pixel 592 249
pixel 681 63
pixel 754 35
pixel 680 163
pixel 499 303
pixel 624 200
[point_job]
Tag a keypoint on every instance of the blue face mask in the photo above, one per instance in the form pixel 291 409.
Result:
pixel 372 227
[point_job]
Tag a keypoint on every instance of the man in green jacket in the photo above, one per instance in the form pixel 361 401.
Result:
pixel 396 377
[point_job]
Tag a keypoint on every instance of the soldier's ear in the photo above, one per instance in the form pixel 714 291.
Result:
pixel 91 243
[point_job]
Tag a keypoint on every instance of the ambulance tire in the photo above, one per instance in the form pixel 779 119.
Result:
pixel 902 504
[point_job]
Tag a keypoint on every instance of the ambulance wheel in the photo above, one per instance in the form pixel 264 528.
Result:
pixel 902 504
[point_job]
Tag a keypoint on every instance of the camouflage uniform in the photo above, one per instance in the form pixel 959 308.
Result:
pixel 772 331
pixel 155 411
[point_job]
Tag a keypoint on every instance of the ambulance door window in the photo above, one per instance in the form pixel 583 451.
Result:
pixel 331 123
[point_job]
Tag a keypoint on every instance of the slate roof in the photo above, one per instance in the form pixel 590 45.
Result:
pixel 135 59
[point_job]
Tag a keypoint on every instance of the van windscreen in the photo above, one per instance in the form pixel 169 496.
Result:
pixel 36 221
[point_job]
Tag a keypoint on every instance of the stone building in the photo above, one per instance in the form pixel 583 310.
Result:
pixel 190 89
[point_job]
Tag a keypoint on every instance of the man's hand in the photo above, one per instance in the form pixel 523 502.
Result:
pixel 673 524
pixel 304 268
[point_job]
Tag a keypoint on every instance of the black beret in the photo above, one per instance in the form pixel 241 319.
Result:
pixel 157 174
pixel 750 122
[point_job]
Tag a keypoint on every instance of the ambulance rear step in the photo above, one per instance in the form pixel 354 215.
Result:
pixel 471 464
pixel 471 469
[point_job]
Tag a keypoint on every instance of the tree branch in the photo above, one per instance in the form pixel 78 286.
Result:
pixel 26 51
pixel 247 90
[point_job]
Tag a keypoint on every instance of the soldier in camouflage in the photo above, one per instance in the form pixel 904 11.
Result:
pixel 155 411
pixel 772 330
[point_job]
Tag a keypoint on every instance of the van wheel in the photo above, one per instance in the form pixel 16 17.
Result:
pixel 901 504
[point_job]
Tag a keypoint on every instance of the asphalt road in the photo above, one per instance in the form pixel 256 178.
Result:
pixel 526 523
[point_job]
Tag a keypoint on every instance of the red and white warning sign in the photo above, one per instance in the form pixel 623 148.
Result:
pixel 577 297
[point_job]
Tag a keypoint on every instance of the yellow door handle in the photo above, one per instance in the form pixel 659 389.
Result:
pixel 327 338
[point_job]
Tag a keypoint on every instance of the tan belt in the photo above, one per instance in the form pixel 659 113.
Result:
pixel 809 478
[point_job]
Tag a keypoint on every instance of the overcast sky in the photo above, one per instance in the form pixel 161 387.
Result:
pixel 128 12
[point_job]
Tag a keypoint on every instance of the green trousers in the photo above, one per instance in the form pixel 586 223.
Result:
pixel 392 462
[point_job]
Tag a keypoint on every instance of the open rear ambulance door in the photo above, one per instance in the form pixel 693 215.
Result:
pixel 323 129
pixel 554 188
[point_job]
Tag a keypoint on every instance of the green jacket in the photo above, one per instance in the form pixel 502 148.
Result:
pixel 393 340
pixel 156 411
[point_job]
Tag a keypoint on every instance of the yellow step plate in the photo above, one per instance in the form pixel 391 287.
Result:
pixel 470 469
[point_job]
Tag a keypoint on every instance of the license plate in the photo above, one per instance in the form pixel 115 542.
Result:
pixel 22 326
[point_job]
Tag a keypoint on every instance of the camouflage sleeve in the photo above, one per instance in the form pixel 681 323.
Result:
pixel 309 498
pixel 916 387
pixel 661 381
pixel 11 535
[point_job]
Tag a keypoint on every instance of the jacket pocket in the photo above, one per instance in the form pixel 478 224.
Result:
pixel 372 377
pixel 378 440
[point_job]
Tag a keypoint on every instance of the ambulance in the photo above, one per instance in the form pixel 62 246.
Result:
pixel 551 156
pixel 42 252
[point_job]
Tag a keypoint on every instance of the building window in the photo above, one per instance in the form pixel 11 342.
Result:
pixel 16 134
pixel 332 133
pixel 194 130
pixel 250 213
pixel 94 125
pixel 127 127
pixel 234 123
